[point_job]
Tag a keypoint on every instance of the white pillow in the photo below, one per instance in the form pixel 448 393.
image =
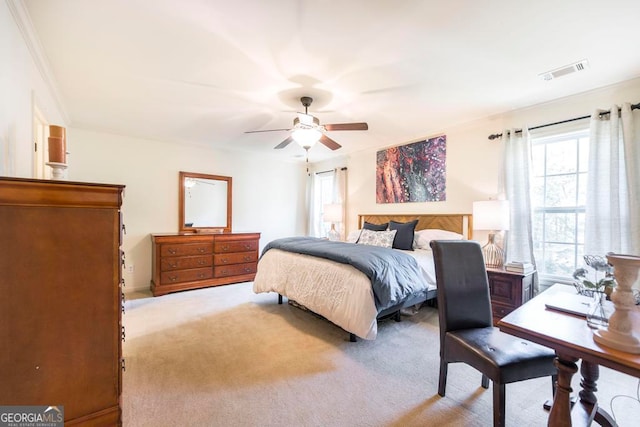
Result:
pixel 377 238
pixel 422 238
pixel 353 236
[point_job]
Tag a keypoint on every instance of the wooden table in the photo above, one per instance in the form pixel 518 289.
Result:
pixel 572 340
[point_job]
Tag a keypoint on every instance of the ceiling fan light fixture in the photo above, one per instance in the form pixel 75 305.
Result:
pixel 306 137
pixel 307 130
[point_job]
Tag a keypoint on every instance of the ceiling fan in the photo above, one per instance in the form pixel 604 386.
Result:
pixel 307 129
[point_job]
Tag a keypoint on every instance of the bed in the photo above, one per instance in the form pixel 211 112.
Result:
pixel 343 294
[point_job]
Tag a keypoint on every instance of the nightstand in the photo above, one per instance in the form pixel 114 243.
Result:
pixel 508 291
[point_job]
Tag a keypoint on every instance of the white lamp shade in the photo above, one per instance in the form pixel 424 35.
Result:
pixel 332 212
pixel 491 215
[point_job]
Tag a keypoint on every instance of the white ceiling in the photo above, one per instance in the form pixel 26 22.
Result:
pixel 206 71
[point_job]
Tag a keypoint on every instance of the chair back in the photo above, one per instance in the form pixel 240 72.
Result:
pixel 463 288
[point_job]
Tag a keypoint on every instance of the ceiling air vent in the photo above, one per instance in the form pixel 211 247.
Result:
pixel 563 71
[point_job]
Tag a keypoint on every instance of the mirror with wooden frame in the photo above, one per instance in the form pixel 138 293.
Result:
pixel 205 203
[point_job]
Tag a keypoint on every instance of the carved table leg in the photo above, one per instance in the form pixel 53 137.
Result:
pixel 590 373
pixel 560 414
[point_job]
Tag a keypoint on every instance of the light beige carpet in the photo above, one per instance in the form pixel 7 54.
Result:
pixel 225 356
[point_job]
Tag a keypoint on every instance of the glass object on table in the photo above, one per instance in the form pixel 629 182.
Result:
pixel 599 311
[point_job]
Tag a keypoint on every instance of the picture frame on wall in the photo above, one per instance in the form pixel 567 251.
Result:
pixel 413 172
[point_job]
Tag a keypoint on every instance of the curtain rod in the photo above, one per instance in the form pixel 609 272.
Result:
pixel 604 113
pixel 331 170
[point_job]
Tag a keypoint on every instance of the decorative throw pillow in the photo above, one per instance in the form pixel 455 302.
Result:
pixel 424 237
pixel 404 235
pixel 375 227
pixel 377 238
pixel 353 236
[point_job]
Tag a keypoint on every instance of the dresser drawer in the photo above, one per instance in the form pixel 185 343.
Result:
pixel 235 258
pixel 192 275
pixel 236 246
pixel 236 269
pixel 183 263
pixel 182 249
pixel 504 288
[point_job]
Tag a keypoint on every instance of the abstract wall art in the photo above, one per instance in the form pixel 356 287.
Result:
pixel 412 173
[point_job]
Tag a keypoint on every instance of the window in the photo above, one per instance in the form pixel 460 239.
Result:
pixel 323 193
pixel 560 166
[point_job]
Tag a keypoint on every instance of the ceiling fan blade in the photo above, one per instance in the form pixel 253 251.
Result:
pixel 266 130
pixel 347 126
pixel 284 143
pixel 330 143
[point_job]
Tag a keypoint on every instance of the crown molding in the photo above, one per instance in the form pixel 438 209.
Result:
pixel 29 34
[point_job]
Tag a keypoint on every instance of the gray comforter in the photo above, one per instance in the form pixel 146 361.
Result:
pixel 395 276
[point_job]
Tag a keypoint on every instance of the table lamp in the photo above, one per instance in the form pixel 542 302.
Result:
pixel 332 213
pixel 491 215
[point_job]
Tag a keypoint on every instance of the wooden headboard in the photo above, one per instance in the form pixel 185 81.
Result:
pixel 458 223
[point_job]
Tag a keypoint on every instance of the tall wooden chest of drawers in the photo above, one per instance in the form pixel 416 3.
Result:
pixel 191 261
pixel 60 303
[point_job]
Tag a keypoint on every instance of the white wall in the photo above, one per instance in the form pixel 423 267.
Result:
pixel 472 159
pixel 22 85
pixel 268 197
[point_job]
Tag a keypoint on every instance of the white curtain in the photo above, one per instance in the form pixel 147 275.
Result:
pixel 515 185
pixel 313 213
pixel 612 222
pixel 340 197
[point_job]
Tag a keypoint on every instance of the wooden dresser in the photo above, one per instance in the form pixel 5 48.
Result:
pixel 60 304
pixel 508 291
pixel 190 261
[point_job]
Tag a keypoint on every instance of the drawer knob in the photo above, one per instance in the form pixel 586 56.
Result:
pixel 201 250
pixel 201 276
pixel 173 265
pixel 200 262
pixel 247 246
pixel 173 278
pixel 247 258
pixel 247 270
pixel 225 260
pixel 173 251
pixel 225 248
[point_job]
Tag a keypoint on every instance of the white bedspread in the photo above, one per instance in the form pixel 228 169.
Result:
pixel 338 292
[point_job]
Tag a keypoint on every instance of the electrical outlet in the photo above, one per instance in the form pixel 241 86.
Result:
pixel 130 268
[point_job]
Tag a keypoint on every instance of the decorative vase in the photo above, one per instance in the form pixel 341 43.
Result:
pixel 57 144
pixel 333 234
pixel 598 315
pixel 57 150
pixel 619 333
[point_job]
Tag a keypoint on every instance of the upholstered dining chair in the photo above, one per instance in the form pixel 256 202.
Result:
pixel 467 333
